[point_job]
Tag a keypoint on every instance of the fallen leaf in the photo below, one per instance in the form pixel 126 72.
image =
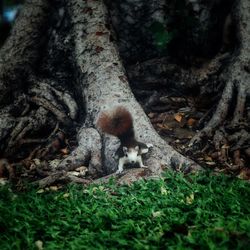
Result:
pixel 54 163
pixel 151 115
pixel 178 117
pixel 3 181
pixel 244 174
pixel 164 191
pixel 163 126
pixel 190 199
pixel 39 244
pixel 191 122
pixel 37 161
pixel 73 173
pixel 208 158
pixel 66 195
pixel 53 188
pixel 211 163
pixel 200 159
pixel 157 214
pixel 83 170
pixel 102 188
pixel 65 151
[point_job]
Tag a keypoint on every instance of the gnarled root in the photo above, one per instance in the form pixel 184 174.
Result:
pixel 53 106
pixel 88 153
pixel 235 132
pixel 237 78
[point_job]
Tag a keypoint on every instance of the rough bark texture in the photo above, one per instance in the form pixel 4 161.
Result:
pixel 21 51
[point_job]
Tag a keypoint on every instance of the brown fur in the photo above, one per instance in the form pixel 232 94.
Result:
pixel 116 122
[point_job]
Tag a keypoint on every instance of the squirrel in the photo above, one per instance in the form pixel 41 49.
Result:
pixel 119 122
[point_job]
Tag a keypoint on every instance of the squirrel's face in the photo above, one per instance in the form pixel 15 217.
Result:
pixel 131 154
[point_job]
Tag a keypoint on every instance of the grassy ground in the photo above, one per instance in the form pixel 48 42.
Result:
pixel 198 212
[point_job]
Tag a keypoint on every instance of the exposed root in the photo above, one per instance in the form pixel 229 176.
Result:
pixel 6 169
pixel 39 141
pixel 62 117
pixel 43 88
pixel 218 117
pixel 53 177
pixel 24 126
pixel 61 176
pixel 26 109
pixel 238 161
pixel 151 101
pixel 87 152
pixel 240 106
pixel 239 139
pixel 69 102
pixel 32 141
pixel 126 177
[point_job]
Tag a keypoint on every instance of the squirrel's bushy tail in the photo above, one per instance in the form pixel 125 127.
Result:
pixel 117 122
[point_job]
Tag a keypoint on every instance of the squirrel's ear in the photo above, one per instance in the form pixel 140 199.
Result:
pixel 137 148
pixel 125 150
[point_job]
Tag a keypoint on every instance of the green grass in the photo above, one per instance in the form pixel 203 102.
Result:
pixel 198 212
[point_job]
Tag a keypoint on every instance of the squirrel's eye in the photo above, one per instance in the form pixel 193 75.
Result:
pixel 126 155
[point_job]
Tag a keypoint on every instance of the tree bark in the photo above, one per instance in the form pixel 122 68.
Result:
pixel 20 53
pixel 106 86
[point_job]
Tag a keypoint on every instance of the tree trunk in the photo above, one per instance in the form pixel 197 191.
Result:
pixel 106 86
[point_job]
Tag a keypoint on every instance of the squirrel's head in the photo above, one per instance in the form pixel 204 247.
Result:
pixel 131 154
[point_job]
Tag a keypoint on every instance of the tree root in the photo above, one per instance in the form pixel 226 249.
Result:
pixel 53 99
pixel 235 136
pixel 88 152
pixel 240 106
pixel 23 127
pixel 48 106
pixel 60 176
pixel 48 99
pixel 218 117
pixel 6 169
